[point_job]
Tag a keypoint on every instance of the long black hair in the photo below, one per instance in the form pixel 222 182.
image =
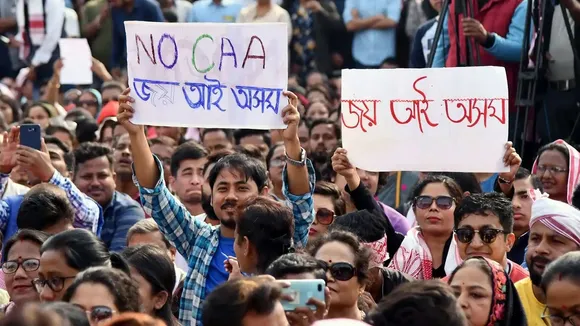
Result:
pixel 155 266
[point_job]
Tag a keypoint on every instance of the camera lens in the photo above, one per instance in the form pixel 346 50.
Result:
pixel 319 287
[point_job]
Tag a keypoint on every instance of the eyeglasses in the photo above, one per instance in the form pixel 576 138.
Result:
pixel 324 216
pixel 99 313
pixel 552 169
pixel 487 235
pixel 340 271
pixel 558 320
pixel 28 265
pixel 56 284
pixel 443 202
pixel 277 162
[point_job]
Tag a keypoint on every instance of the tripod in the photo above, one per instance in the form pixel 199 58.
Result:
pixel 528 77
pixel 465 8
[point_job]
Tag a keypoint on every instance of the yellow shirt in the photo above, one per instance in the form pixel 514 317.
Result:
pixel 532 307
pixel 4 297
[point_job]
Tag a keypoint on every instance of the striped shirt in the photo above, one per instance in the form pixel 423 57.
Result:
pixel 198 241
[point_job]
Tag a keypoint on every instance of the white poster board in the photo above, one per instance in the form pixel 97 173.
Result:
pixel 441 119
pixel 77 61
pixel 208 75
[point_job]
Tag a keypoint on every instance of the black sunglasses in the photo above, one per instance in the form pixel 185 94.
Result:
pixel 99 313
pixel 487 234
pixel 56 284
pixel 443 202
pixel 340 271
pixel 28 265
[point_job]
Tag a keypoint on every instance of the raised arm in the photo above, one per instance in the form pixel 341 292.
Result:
pixel 174 221
pixel 298 176
pixel 87 211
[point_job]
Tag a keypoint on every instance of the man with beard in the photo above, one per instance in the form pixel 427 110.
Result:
pixel 324 136
pixel 554 231
pixel 187 177
pixel 209 214
pixel 232 180
pixel 93 175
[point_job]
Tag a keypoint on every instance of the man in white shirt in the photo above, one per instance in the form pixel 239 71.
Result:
pixel 40 26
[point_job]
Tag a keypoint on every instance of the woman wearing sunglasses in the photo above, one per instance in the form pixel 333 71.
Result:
pixel 346 261
pixel 328 204
pixel 20 267
pixel 103 292
pixel 486 294
pixel 65 255
pixel 429 250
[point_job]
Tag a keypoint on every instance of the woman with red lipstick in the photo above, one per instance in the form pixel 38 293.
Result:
pixel 429 250
pixel 20 267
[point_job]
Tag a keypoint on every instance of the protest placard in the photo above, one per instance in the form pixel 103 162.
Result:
pixel 452 119
pixel 77 61
pixel 208 75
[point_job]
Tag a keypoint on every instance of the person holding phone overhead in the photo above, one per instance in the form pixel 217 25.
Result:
pixel 87 213
pixel 232 180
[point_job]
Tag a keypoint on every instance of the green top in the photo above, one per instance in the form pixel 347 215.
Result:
pixel 101 43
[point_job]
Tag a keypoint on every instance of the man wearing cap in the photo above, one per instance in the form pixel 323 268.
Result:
pixel 554 231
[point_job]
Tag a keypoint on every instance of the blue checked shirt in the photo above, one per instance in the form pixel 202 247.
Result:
pixel 88 213
pixel 198 241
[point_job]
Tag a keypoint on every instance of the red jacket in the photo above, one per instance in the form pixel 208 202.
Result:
pixel 495 16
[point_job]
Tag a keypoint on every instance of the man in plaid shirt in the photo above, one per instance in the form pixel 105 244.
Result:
pixel 232 180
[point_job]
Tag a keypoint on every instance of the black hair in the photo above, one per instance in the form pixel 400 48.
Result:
pixel 107 123
pixel 249 168
pixel 44 206
pixel 187 151
pixel 170 15
pixel 215 156
pixel 112 84
pixel 566 267
pixel 367 226
pixel 466 181
pixel 296 264
pixel 317 122
pixel 269 227
pixel 491 203
pixel 524 173
pixel 243 133
pixel 34 236
pixel 362 254
pixel 452 187
pixel 147 226
pixel 90 151
pixel 329 189
pixel 160 274
pixel 68 312
pixel 228 303
pixel 121 286
pixel 227 132
pixel 86 130
pixel 418 303
pixel 68 156
pixel 53 129
pixel 252 151
pixel 558 147
pixel 82 250
pixel 14 106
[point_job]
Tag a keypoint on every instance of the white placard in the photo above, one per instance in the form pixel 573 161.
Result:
pixel 77 61
pixel 442 119
pixel 208 75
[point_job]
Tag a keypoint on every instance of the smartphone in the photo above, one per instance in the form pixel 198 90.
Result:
pixel 30 136
pixel 301 291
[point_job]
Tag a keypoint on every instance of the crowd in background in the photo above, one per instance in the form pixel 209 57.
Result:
pixel 155 225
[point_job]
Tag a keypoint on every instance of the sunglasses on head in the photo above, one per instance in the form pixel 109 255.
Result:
pixel 340 271
pixel 99 313
pixel 486 234
pixel 443 202
pixel 324 216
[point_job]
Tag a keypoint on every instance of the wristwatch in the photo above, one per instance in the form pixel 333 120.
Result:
pixel 504 181
pixel 302 161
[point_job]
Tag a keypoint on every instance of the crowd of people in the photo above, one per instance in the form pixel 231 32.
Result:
pixel 112 223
